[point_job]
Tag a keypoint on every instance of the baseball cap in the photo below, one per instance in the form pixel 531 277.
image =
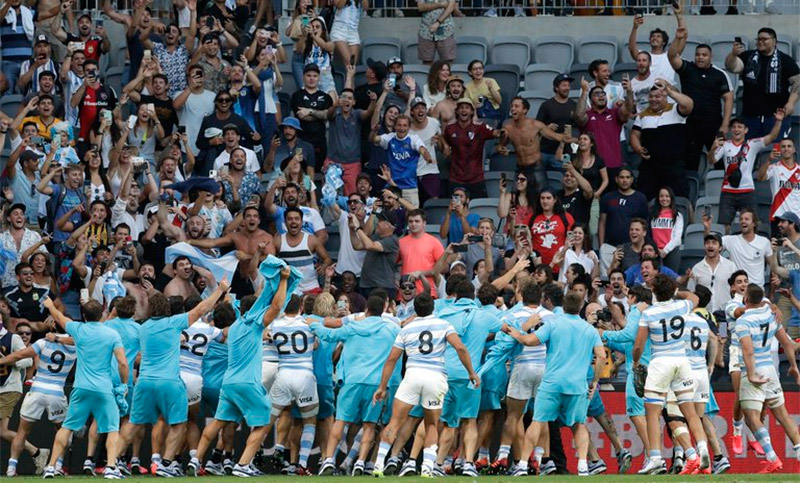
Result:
pixel 713 236
pixel 41 38
pixel 457 263
pixel 393 60
pixel 28 155
pixel 310 67
pixel 378 67
pixel 561 78
pixel 791 218
pixel 15 206
pixel 417 101
pixel 453 78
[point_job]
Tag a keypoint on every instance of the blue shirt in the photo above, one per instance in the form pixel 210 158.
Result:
pixel 570 348
pixel 473 325
pixel 456 232
pixel 128 330
pixel 323 359
pixel 95 344
pixel 623 340
pixel 244 352
pixel 402 156
pixel 160 339
pixel 633 275
pixel 215 363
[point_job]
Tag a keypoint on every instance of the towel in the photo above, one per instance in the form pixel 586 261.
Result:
pixel 219 266
pixel 201 183
pixel 333 181
pixel 270 269
pixel 27 20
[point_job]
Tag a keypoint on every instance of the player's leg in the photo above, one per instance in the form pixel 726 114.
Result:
pixel 400 412
pixel 738 417
pixel 581 436
pixel 447 435
pixel 334 437
pixel 431 421
pixel 687 407
pixel 174 441
pixel 469 438
pixel 93 440
pixel 208 435
pixel 485 424
pixel 514 410
pixel 788 424
pixel 193 430
pixel 18 443
pixel 367 437
pixel 605 422
pixel 60 443
pixel 309 415
pixel 653 404
pixel 405 432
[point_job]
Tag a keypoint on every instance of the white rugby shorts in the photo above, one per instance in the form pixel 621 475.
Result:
pixel 424 387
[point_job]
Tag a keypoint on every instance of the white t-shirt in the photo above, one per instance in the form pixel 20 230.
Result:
pixel 785 186
pixel 748 256
pixel 660 68
pixel 252 161
pixel 426 135
pixel 349 259
pixel 191 115
pixel 743 154
pixel 641 91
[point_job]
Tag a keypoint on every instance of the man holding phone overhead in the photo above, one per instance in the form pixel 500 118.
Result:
pixel 90 98
pixel 94 44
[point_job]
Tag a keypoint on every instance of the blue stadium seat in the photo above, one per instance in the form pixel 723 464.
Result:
pixel 507 77
pixel 380 48
pixel 419 72
pixel 597 47
pixel 536 99
pixel 540 76
pixel 558 50
pixel 10 103
pixel 511 49
pixel 410 53
pixel 471 47
pixel 493 181
pixel 713 182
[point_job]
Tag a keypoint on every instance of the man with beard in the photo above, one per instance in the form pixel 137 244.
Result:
pixel 194 103
pixel 71 200
pixel 556 113
pixel 24 302
pixel 312 220
pixel 643 81
pixel 216 69
pixel 239 185
pixel 748 250
pixel 297 248
pixel 429 131
pixel 659 40
pixel 195 226
pixel 156 85
pixel 231 137
pixel 223 115
pixel 183 282
pixel 575 194
pixel 784 180
pixel 245 239
pixel 71 76
pixel 525 135
pixel 286 146
pixel 94 45
pixel 615 291
pixel 172 57
pixel 21 181
pixel 463 144
pixel 126 208
pixel 344 127
pixel 19 241
pixel 143 289
pixel 90 98
pixel 312 106
pixel 31 68
pixel 618 208
pixel 713 271
pixel 445 110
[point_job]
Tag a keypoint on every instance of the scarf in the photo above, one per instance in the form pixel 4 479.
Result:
pixel 753 72
pixel 27 20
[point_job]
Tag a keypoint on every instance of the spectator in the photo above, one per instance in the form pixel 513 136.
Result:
pixel 344 32
pixel 245 87
pixel 641 273
pixel 600 70
pixel 575 194
pixel 382 248
pixel 230 138
pixel 287 145
pixel 23 182
pixel 18 241
pixel 239 184
pixel 378 156
pixel 301 16
pixel 298 248
pixel 403 153
pixel 44 120
pixel 458 221
pixel 748 250
pixel 95 181
pixel 41 62
pixel 312 221
pixel 482 251
pixel 484 92
pixel 216 71
pixel 617 209
pixel 713 271
pixel 705 84
pixel 666 228
pixel 436 31
pixel 67 199
pixel 463 144
pixel 158 90
pixel 429 131
pixel 210 141
pixel 593 168
pixel 739 158
pixel 71 76
pixel 318 50
pixel 642 82
pixel 139 26
pixel 615 290
pixel 173 57
pixel 784 180
pixel 16 37
pixel 658 136
pixel 311 106
pixel 146 132
pixel 445 110
pixel 556 113
pixel 605 123
pixel 402 89
pixel 630 253
pixel 24 302
pixel 350 260
pixel 270 80
pixel 125 209
pixel 344 128
pixel 771 81
pixel 418 250
pixel 93 45
pixel 194 104
pixel 549 226
pixel 434 89
pixel 48 86
pixel 659 43
pixel 516 205
pixel 90 98
pixel 578 249
pixel 784 263
pixel 233 19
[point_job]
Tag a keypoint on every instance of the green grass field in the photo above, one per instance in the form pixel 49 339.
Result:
pixel 338 479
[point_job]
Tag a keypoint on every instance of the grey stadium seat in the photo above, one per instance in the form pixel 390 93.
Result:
pixel 507 77
pixel 493 181
pixel 511 49
pixel 712 202
pixel 694 234
pixel 539 77
pixel 289 85
pixel 621 68
pixel 381 48
pixel 471 47
pixel 410 53
pixel 554 49
pixel 486 208
pixel 419 72
pixel 499 162
pixel 713 182
pixel 597 47
pixel 435 209
pixel 536 99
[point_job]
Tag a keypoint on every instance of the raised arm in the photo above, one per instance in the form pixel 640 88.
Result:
pixel 57 315
pixel 388 369
pixel 278 300
pixel 580 111
pixel 208 304
pixel 677 45
pixel 633 49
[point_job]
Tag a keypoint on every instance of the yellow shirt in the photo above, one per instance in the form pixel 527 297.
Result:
pixel 475 91
pixel 44 129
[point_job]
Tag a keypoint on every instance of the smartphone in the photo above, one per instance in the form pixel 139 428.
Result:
pixel 37 140
pixel 270 50
pixel 253 199
pixel 570 235
pixel 721 134
pixel 132 121
pixel 148 54
pixel 475 238
pixel 706 211
pixel 181 129
pixel 128 240
pixel 57 141
pixel 626 76
pixel 106 114
pixel 77 45
pixel 212 173
pixel 305 20
pixel 456 199
pixel 639 15
pixel 151 107
pixel 566 158
pixel 210 22
pixel 723 330
pixel 392 81
pixel 341 305
pixel 164 197
pixel 460 248
pixel 137 160
pixel 568 129
pixel 738 40
pixel 98 23
pixel 84 295
pixel 503 180
pixel 604 283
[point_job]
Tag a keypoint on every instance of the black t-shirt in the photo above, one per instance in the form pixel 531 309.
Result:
pixel 165 111
pixel 552 111
pixel 154 251
pixel 27 305
pixel 313 131
pixel 576 205
pixel 757 99
pixel 705 87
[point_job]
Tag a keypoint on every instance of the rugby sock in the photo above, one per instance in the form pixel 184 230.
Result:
pixel 522 464
pixel 228 455
pixel 737 427
pixel 36 453
pixel 353 453
pixel 797 451
pixel 655 455
pixel 216 456
pixel 583 466
pixel 691 454
pixel 156 458
pixel 12 463
pixel 383 450
pixel 483 453
pixel 677 451
pixel 193 453
pixel 428 456
pixel 702 448
pixel 306 442
pixel 503 451
pixel 537 454
pixel 59 463
pixel 718 457
pixel 762 436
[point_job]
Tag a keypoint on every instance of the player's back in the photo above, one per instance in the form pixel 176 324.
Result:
pixel 535 355
pixel 695 338
pixel 295 343
pixel 95 345
pixel 473 325
pixel 761 326
pixel 55 360
pixel 215 362
pixel 424 341
pixel 570 349
pixel 666 322
pixel 160 340
pixel 244 352
pixel 195 345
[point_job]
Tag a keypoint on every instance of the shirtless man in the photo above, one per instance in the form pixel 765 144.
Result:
pixel 183 283
pixel 142 290
pixel 195 227
pixel 245 239
pixel 525 134
pixel 297 248
pixel 445 110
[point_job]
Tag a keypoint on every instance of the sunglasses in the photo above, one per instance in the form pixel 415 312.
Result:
pixel 522 180
pixel 26 272
pixel 407 286
pixel 224 100
pixel 353 201
pixel 24 333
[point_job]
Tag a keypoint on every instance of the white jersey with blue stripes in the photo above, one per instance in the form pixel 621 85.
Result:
pixel 195 344
pixel 269 353
pixel 760 325
pixel 424 341
pixel 666 322
pixel 55 362
pixel 733 304
pixel 695 339
pixel 294 342
pixel 531 355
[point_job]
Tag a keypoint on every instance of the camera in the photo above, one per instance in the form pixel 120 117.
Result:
pixel 460 248
pixel 474 238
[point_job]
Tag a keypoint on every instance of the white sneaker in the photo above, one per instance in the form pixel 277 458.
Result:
pixel 490 13
pixel 11 471
pixel 652 466
pixel 49 472
pixel 378 13
pixel 695 10
pixel 518 12
pixel 409 468
pixel 41 460
pixel 112 474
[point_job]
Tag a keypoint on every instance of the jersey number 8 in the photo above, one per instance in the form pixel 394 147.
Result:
pixel 425 342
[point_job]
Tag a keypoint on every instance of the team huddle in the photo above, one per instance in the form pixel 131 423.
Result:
pixel 375 392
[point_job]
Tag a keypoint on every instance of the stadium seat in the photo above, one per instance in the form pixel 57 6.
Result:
pixel 511 49
pixel 435 209
pixel 713 183
pixel 361 75
pixel 499 162
pixel 683 205
pixel 507 77
pixel 119 56
pixel 433 230
pixel 539 77
pixel 624 55
pixel 471 47
pixel 722 45
pixel 113 79
pixel 712 202
pixel 289 85
pixel 410 53
pixel 620 69
pixel 460 70
pixel 694 234
pixel 493 181
pixel 597 47
pixel 536 99
pixel 9 104
pixel 286 104
pixel 579 71
pixel 691 44
pixel 694 186
pixel 419 72
pixel 380 48
pixel 486 208
pixel 554 180
pixel 690 258
pixel 554 49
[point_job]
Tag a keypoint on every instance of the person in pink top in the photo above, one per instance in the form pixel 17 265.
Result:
pixel 666 228
pixel 419 251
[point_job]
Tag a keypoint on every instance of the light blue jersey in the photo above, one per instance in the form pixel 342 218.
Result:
pixel 424 341
pixel 55 360
pixel 323 359
pixel 244 352
pixel 570 349
pixel 215 362
pixel 516 316
pixel 128 330
pixel 295 343
pixel 473 325
pixel 695 339
pixel 195 345
pixel 760 326
pixel 405 310
pixel 95 344
pixel 161 347
pixel 666 322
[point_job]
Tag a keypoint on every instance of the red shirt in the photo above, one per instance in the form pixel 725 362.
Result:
pixel 549 234
pixel 466 165
pixel 89 108
pixel 606 127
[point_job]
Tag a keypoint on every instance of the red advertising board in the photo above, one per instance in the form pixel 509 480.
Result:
pixel 747 462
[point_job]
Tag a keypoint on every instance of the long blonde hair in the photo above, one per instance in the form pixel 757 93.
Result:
pixel 325 305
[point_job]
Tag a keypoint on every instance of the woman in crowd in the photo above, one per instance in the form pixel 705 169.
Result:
pixel 592 167
pixel 434 90
pixel 104 134
pixel 146 133
pixel 301 17
pixel 516 206
pixel 666 228
pixel 484 92
pixel 294 170
pixel 578 250
pixel 549 226
pixel 96 184
pixel 317 49
pixel 43 273
pixel 385 125
pixel 344 32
